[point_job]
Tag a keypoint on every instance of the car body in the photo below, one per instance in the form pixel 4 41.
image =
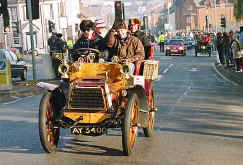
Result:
pixel 175 47
pixel 18 65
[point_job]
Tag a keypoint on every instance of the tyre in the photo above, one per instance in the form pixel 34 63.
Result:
pixel 130 124
pixel 49 135
pixel 148 131
pixel 23 77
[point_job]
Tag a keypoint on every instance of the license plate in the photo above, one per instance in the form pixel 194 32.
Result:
pixel 88 130
pixel 174 50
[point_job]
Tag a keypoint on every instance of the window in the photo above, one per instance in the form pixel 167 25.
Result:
pixel 13 13
pixel 62 9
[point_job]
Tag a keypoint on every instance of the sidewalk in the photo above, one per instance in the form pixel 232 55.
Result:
pixel 228 73
pixel 23 89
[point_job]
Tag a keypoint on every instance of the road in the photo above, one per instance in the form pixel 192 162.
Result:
pixel 199 122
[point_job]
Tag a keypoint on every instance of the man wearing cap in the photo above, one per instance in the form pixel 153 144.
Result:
pixel 135 28
pixel 127 47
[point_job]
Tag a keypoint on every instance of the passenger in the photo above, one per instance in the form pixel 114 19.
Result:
pixel 135 28
pixel 100 26
pixel 127 47
pixel 88 39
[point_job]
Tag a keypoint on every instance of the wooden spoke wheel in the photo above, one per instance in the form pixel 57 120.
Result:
pixel 130 124
pixel 49 135
pixel 149 130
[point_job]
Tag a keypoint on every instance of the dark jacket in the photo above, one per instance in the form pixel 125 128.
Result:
pixel 51 42
pixel 60 46
pixel 130 49
pixel 97 42
pixel 144 39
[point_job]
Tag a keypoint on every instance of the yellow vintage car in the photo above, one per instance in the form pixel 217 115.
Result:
pixel 94 96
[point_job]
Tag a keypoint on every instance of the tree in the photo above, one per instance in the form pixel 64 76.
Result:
pixel 238 9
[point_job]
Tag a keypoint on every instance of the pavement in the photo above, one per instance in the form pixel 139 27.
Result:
pixel 229 74
pixel 23 89
pixel 28 88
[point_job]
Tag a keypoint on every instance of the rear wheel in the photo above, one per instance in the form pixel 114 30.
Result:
pixel 49 136
pixel 130 124
pixel 148 131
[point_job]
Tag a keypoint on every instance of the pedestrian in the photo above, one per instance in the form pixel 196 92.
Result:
pixel 235 46
pixel 60 47
pixel 161 41
pixel 51 42
pixel 226 44
pixel 219 45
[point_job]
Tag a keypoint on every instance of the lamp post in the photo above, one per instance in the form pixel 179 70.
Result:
pixel 215 7
pixel 31 39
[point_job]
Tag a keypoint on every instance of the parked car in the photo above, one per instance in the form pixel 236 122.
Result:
pixel 18 65
pixel 175 47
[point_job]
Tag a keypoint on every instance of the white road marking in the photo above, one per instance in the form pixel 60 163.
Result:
pixel 17 99
pixel 166 70
pixel 194 70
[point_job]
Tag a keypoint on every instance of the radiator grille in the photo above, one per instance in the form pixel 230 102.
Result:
pixel 88 98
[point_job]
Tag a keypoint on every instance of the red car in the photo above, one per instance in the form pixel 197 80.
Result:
pixel 175 47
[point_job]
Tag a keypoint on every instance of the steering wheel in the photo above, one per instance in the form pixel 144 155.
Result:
pixel 88 55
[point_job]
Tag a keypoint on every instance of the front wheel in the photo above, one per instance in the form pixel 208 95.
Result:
pixel 130 124
pixel 49 135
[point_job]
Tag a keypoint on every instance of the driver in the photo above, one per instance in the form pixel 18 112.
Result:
pixel 127 47
pixel 88 39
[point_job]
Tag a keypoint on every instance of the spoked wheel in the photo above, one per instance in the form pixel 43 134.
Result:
pixel 148 131
pixel 130 124
pixel 49 135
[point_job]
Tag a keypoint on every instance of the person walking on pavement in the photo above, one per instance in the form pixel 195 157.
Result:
pixel 235 46
pixel 51 42
pixel 161 41
pixel 219 45
pixel 226 48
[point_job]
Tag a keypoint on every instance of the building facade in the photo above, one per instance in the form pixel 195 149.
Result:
pixel 64 15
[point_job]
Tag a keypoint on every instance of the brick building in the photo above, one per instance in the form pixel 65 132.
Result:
pixel 204 15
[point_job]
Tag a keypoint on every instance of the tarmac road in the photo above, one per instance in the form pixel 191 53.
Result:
pixel 199 122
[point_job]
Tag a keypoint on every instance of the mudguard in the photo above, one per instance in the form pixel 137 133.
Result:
pixel 143 115
pixel 59 92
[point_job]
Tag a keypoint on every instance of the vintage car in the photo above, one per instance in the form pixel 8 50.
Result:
pixel 175 47
pixel 97 95
pixel 203 48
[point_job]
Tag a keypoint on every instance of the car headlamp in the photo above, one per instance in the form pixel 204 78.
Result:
pixel 181 48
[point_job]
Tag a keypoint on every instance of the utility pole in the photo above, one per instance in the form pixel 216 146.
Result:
pixel 215 18
pixel 31 39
